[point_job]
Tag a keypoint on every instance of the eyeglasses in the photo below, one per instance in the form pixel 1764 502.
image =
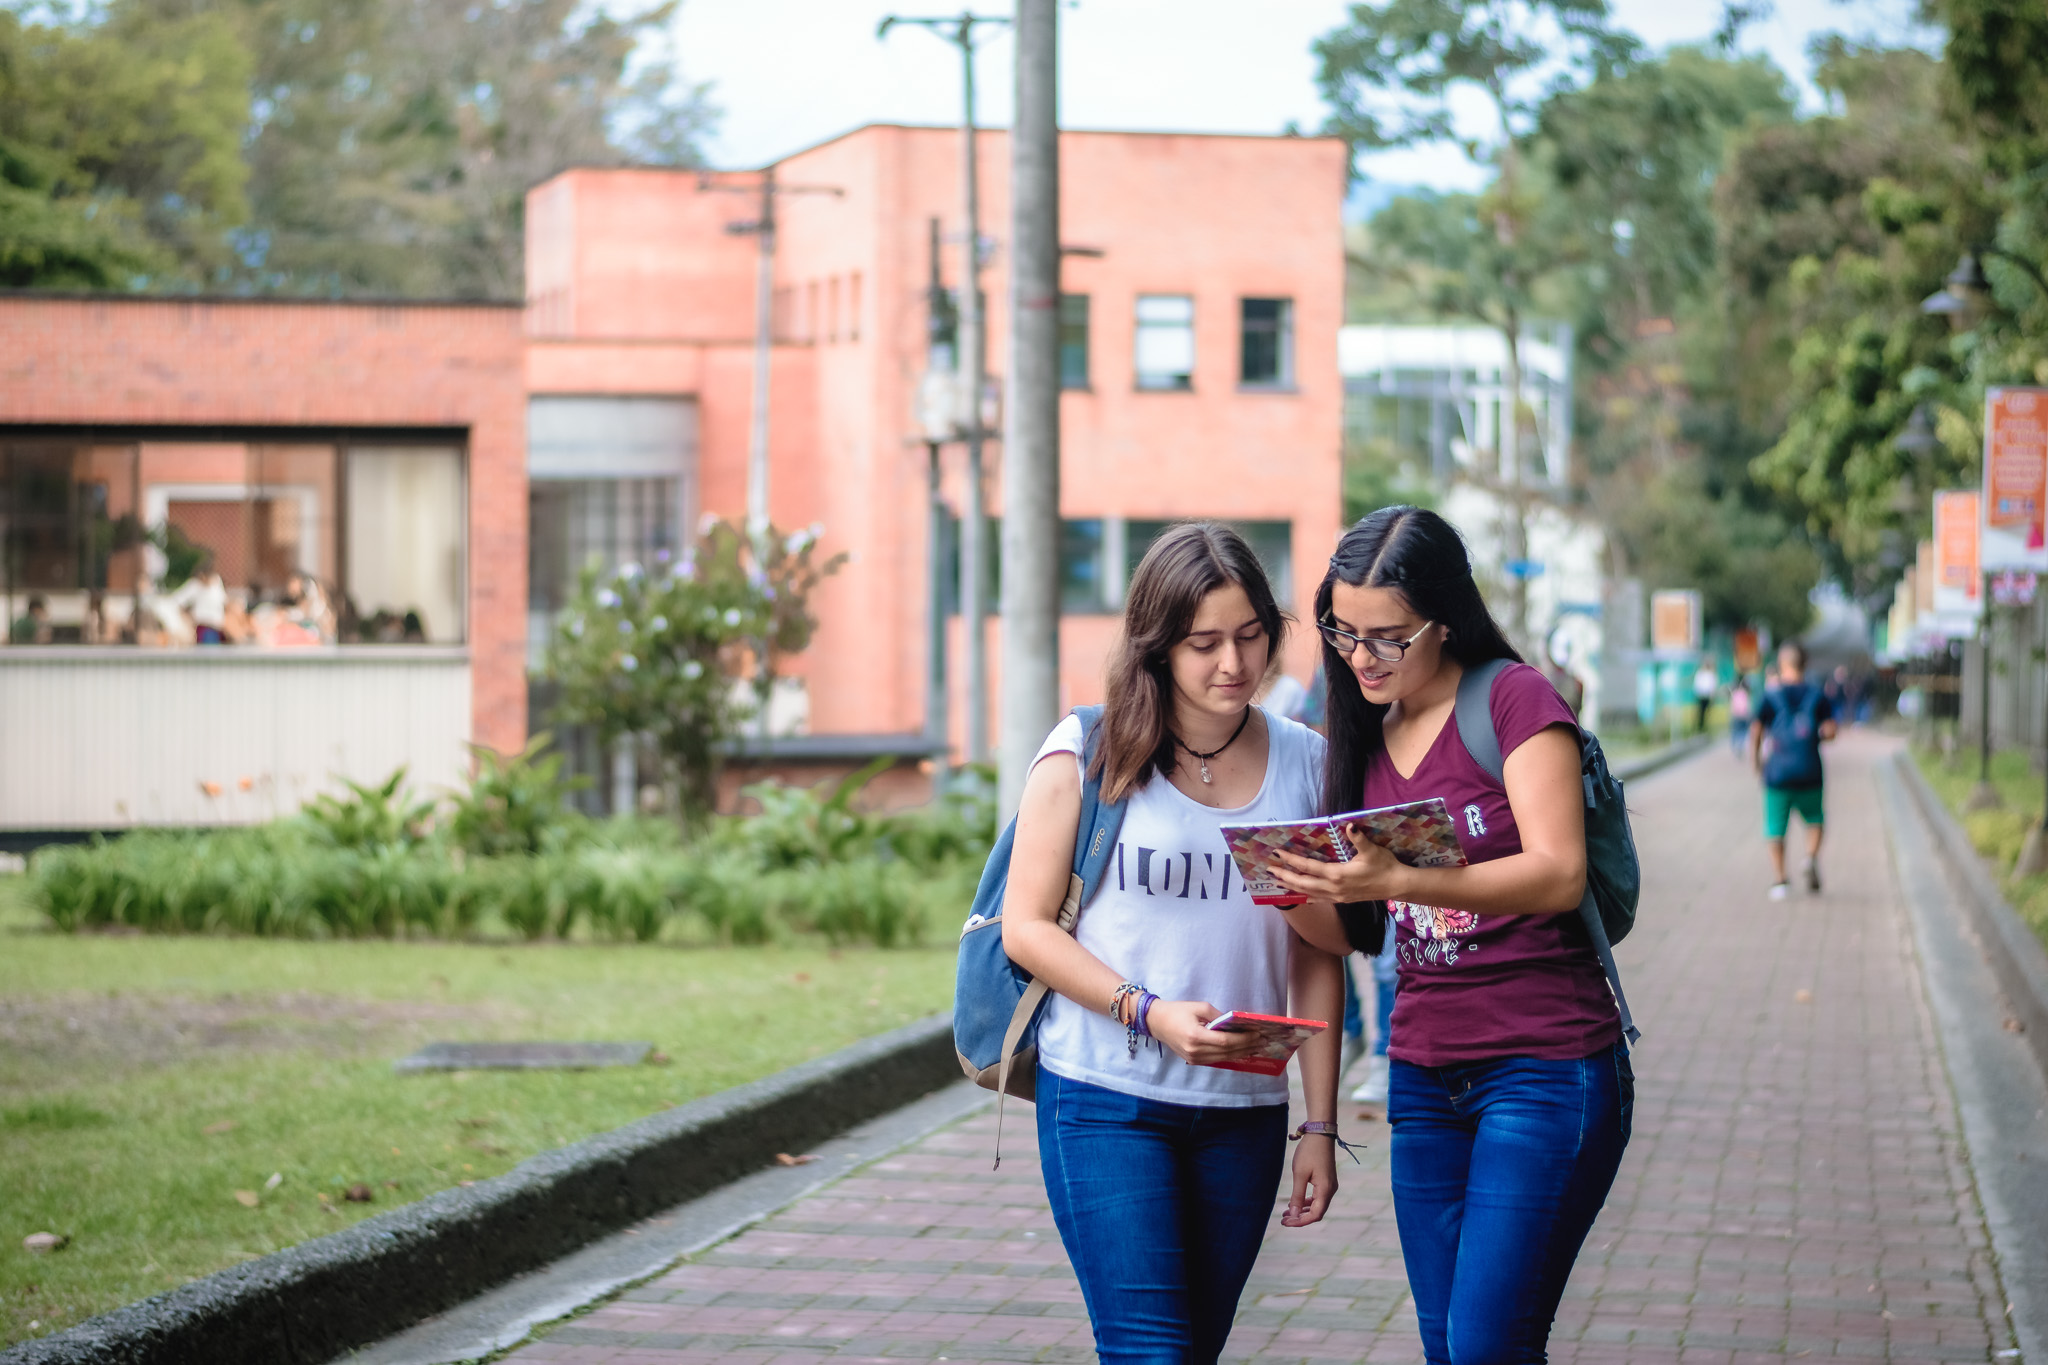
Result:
pixel 1386 651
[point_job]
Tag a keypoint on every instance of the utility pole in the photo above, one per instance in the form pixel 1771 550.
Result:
pixel 959 30
pixel 762 230
pixel 1031 439
pixel 942 351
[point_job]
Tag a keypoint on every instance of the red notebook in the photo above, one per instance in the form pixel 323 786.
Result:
pixel 1281 1037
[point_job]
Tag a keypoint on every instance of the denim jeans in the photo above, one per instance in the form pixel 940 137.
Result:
pixel 1386 979
pixel 1499 1168
pixel 1161 1208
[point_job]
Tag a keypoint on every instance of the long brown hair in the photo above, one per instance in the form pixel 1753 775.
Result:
pixel 1185 564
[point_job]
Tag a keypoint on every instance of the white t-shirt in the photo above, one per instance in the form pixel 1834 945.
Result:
pixel 1172 915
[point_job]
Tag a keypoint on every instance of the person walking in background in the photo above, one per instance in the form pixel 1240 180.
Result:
pixel 1795 716
pixel 1706 680
pixel 1738 715
pixel 1385 981
pixel 1160 1165
pixel 1510 1093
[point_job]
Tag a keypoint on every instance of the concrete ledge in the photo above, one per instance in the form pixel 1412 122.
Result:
pixel 2015 953
pixel 315 1301
pixel 1634 768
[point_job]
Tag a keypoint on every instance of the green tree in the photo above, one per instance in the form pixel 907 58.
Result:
pixel 1835 229
pixel 120 151
pixel 672 654
pixel 1389 75
pixel 1632 158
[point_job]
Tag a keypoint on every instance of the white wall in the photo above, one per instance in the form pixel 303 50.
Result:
pixel 106 738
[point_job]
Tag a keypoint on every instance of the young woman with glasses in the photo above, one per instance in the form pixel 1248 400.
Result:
pixel 1510 1093
pixel 1161 1167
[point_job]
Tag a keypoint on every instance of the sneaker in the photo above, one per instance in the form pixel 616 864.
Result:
pixel 1780 890
pixel 1374 1088
pixel 1813 878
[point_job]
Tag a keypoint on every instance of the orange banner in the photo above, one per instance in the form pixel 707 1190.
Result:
pixel 1955 542
pixel 2016 462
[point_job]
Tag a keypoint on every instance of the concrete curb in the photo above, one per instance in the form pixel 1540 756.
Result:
pixel 1634 768
pixel 2013 950
pixel 313 1302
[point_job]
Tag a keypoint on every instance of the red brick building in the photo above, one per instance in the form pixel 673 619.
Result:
pixel 442 471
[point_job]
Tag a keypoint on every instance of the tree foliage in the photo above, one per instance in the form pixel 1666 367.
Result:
pixel 327 147
pixel 120 150
pixel 674 653
pixel 1839 228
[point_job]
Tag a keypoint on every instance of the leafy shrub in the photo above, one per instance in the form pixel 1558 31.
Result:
pixel 371 817
pixel 367 866
pixel 514 805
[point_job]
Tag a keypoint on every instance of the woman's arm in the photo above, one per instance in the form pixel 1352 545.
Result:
pixel 1041 865
pixel 1316 991
pixel 1548 877
pixel 1316 923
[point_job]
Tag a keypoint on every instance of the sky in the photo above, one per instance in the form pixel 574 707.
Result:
pixel 790 73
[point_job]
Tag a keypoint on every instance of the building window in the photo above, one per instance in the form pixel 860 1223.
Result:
pixel 1271 541
pixel 1266 343
pixel 1073 341
pixel 266 544
pixel 853 306
pixel 1089 583
pixel 1166 342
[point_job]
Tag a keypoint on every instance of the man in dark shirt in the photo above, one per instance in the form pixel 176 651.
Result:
pixel 1795 716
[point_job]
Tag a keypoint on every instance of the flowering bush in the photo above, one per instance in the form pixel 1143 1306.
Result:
pixel 675 652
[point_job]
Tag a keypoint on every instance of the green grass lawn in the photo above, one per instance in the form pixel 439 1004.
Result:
pixel 1997 834
pixel 144 1080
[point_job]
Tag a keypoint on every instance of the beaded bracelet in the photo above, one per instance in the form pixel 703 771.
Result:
pixel 1135 994
pixel 1323 1128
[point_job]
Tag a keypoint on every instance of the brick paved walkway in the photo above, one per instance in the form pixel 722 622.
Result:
pixel 1796 1188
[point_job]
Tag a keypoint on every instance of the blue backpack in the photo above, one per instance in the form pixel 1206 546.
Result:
pixel 996 1003
pixel 1614 878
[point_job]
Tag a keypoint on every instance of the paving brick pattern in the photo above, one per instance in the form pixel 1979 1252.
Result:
pixel 1796 1188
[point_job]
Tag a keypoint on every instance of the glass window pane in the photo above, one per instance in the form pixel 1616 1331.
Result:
pixel 1166 308
pixel 1271 541
pixel 1165 347
pixel 1265 342
pixel 1073 341
pixel 1081 566
pixel 406 522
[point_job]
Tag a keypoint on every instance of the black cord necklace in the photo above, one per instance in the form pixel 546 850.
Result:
pixel 1203 759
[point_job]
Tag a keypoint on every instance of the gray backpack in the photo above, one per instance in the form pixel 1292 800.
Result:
pixel 1614 878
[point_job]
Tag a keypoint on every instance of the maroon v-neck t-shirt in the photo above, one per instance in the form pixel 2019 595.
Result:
pixel 1475 987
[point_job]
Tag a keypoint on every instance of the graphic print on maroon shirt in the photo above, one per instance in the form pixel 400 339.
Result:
pixel 1473 986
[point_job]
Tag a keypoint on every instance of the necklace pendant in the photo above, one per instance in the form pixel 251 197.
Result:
pixel 1205 774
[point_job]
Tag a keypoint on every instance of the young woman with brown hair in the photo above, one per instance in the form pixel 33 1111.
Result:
pixel 1510 1092
pixel 1160 1167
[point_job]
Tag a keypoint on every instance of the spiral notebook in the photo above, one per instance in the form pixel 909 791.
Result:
pixel 1419 833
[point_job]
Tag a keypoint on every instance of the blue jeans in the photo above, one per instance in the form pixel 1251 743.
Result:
pixel 1386 980
pixel 1499 1168
pixel 1161 1208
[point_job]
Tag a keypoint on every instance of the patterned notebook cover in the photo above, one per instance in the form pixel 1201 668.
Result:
pixel 1419 833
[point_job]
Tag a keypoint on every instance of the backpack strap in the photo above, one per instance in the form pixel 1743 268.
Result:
pixel 1473 711
pixel 1094 842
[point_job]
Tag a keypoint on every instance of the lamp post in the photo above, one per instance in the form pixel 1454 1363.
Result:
pixel 1962 301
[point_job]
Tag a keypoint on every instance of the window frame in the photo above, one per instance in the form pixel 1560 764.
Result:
pixel 1282 332
pixel 1140 325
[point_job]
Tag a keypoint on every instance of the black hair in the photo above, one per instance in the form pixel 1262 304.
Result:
pixel 1421 556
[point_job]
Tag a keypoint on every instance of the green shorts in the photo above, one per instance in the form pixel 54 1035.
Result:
pixel 1780 802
